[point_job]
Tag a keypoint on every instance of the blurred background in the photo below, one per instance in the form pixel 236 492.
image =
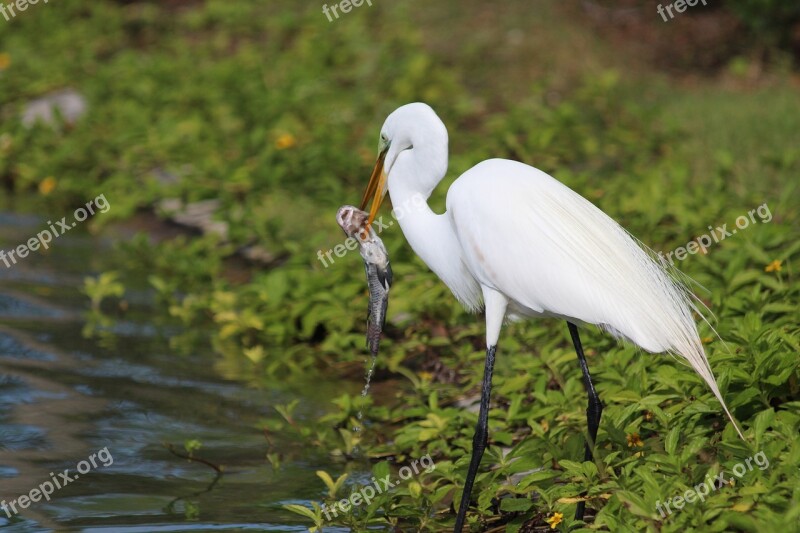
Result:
pixel 192 327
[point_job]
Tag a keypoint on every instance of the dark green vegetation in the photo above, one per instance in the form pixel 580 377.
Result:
pixel 275 112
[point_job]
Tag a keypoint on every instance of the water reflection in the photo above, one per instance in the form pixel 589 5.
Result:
pixel 63 397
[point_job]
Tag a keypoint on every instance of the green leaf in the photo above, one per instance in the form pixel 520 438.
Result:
pixel 762 421
pixel 671 442
pixel 634 503
pixel 327 479
pixel 301 510
pixel 515 505
pixel 381 470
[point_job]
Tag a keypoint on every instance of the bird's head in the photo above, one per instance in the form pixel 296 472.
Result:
pixel 412 126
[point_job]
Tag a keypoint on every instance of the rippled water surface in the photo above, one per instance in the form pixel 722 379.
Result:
pixel 64 397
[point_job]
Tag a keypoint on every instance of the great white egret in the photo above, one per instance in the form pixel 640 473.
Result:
pixel 519 243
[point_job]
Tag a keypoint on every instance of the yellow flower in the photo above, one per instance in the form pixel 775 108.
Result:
pixel 634 440
pixel 47 185
pixel 775 266
pixel 555 520
pixel 706 340
pixel 286 140
pixel 5 60
pixel 426 376
pixel 545 425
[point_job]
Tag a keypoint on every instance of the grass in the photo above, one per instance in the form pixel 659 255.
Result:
pixel 275 111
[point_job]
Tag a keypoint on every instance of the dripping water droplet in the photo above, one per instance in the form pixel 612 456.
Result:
pixel 364 392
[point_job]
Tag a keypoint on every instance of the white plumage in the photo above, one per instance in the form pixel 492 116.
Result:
pixel 551 252
pixel 514 230
pixel 519 242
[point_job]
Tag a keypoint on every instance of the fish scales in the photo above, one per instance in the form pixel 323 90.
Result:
pixel 353 222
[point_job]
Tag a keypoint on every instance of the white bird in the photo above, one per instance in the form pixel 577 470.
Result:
pixel 519 243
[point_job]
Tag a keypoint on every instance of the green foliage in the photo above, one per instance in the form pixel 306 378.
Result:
pixel 192 445
pixel 662 431
pixel 771 21
pixel 104 286
pixel 258 76
pixel 595 131
pixel 275 112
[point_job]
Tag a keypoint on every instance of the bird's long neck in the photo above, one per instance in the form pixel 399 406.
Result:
pixel 411 180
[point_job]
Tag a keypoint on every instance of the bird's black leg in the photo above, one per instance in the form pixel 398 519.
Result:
pixel 594 410
pixel 479 440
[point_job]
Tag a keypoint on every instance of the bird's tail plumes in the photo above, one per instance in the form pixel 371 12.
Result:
pixel 696 356
pixel 564 257
pixel 678 304
pixel 658 306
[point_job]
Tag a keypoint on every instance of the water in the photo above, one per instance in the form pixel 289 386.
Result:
pixel 364 392
pixel 64 397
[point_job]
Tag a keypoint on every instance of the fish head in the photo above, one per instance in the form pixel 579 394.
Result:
pixel 352 221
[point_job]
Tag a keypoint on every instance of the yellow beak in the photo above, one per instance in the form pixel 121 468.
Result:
pixel 376 188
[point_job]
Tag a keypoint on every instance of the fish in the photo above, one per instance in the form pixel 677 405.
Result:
pixel 353 222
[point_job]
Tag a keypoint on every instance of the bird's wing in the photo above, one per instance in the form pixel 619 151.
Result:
pixel 552 252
